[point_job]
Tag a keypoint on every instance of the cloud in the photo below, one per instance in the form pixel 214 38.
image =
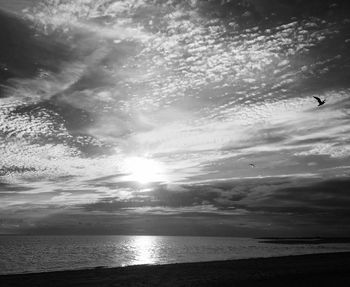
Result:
pixel 64 16
pixel 12 188
pixel 260 206
pixel 265 195
pixel 201 88
pixel 328 149
pixel 186 65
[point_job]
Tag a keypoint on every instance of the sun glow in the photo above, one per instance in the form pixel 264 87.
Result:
pixel 144 170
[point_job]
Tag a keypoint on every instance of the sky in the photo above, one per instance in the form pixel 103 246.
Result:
pixel 175 117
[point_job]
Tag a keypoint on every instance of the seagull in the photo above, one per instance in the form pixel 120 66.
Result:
pixel 252 164
pixel 320 102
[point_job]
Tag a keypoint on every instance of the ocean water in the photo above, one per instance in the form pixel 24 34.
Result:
pixel 22 254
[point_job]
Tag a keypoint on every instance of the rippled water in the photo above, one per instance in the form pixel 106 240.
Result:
pixel 19 254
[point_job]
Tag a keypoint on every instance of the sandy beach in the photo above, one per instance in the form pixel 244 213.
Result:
pixel 332 269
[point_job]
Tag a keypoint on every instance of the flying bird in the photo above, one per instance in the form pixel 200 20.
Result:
pixel 252 164
pixel 320 102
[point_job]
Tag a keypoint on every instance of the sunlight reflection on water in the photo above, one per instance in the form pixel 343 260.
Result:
pixel 145 248
pixel 20 254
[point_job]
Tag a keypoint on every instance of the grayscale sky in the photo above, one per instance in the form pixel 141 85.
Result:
pixel 175 117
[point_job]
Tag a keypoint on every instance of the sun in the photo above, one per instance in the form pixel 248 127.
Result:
pixel 144 170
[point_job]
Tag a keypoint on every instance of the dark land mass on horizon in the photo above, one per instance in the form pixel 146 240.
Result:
pixel 332 269
pixel 304 240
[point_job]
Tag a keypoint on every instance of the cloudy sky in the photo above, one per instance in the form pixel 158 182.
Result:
pixel 175 117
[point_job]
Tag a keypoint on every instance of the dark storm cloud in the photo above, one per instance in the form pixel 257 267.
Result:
pixel 319 192
pixel 220 195
pixel 329 198
pixel 283 196
pixel 160 197
pixel 6 187
pixel 286 206
pixel 192 224
pixel 319 206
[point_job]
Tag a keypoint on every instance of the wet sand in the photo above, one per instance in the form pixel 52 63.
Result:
pixel 332 269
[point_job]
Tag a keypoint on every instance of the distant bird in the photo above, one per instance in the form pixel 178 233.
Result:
pixel 320 102
pixel 252 164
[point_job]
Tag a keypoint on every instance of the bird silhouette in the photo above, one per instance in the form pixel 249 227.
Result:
pixel 320 102
pixel 252 164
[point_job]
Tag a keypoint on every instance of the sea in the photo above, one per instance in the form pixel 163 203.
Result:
pixel 27 254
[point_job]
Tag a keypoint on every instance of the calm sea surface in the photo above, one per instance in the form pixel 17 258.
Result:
pixel 20 254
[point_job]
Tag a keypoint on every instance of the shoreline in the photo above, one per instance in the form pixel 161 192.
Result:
pixel 99 267
pixel 324 269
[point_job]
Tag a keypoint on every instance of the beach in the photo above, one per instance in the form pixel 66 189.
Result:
pixel 331 269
